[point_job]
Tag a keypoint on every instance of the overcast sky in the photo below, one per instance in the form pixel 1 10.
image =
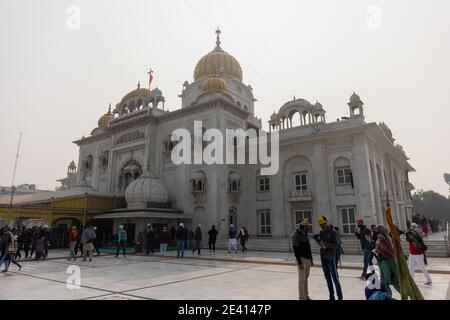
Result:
pixel 56 80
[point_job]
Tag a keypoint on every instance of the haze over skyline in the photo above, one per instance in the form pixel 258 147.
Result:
pixel 56 82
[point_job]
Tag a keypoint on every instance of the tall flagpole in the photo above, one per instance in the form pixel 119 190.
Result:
pixel 15 169
pixel 150 78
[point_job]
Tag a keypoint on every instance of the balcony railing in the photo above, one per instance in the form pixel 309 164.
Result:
pixel 300 195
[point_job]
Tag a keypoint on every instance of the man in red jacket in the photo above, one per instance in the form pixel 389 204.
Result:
pixel 73 236
pixel 416 252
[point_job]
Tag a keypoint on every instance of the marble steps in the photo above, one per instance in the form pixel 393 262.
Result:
pixel 350 245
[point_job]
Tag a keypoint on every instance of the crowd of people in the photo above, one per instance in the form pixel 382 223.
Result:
pixel 34 242
pixel 182 238
pixel 376 243
pixel 428 225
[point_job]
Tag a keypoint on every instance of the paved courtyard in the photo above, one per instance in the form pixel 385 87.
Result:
pixel 256 275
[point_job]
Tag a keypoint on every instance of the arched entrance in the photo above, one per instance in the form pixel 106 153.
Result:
pixel 60 231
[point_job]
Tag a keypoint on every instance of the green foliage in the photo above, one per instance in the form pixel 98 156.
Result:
pixel 431 204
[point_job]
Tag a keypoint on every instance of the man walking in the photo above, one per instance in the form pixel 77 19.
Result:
pixel 165 239
pixel 88 238
pixel 73 236
pixel 232 239
pixel 417 249
pixel 181 237
pixel 303 255
pixel 212 238
pixel 327 240
pixel 198 238
pixel 364 236
pixel 121 241
pixel 150 234
pixel 243 238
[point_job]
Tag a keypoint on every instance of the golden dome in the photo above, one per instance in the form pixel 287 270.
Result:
pixel 212 63
pixel 215 84
pixel 139 92
pixel 104 119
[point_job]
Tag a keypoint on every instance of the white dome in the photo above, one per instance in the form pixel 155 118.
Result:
pixel 146 188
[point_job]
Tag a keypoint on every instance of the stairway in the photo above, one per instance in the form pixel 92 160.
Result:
pixel 350 245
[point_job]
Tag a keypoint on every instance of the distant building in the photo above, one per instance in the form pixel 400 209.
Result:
pixel 21 189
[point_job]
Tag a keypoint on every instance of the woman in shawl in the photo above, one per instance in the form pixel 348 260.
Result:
pixel 386 259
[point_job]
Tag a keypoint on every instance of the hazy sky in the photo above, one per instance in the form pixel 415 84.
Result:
pixel 55 82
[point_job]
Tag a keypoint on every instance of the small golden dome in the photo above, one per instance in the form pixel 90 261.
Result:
pixel 215 84
pixel 139 92
pixel 105 119
pixel 212 63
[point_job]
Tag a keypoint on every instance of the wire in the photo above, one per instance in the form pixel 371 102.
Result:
pixel 274 75
pixel 232 47
pixel 268 47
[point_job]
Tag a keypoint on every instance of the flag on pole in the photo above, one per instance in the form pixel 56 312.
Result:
pixel 408 288
pixel 150 78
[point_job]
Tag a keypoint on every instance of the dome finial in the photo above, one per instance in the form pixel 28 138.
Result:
pixel 139 85
pixel 218 32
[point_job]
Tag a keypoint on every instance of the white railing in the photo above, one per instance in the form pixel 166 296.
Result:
pixel 300 193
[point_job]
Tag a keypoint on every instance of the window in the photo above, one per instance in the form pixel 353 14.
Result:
pixel 348 216
pixel 300 181
pixel 232 217
pixel 233 185
pixel 263 184
pixel 344 176
pixel 264 223
pixel 198 185
pixel 303 214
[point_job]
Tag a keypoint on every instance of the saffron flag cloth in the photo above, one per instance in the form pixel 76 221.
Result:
pixel 408 288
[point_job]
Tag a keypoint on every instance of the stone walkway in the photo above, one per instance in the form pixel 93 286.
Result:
pixel 256 275
pixel 435 265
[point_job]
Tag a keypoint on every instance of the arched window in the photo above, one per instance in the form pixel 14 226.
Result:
pixel 233 182
pixel 343 172
pixel 199 182
pixel 129 172
pixel 127 179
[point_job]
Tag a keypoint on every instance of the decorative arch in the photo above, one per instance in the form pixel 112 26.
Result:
pixel 130 171
pixel 341 161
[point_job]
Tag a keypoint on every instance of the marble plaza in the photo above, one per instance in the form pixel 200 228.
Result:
pixel 219 276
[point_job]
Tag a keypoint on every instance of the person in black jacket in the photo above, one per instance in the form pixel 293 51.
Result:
pixel 150 234
pixel 327 240
pixel 364 235
pixel 198 239
pixel 181 237
pixel 243 238
pixel 302 251
pixel 212 238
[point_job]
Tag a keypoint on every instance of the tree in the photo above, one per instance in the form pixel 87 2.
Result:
pixel 431 204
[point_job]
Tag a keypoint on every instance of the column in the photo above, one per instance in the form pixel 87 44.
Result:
pixel 361 169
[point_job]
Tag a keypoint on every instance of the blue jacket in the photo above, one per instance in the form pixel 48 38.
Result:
pixel 232 233
pixel 121 235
